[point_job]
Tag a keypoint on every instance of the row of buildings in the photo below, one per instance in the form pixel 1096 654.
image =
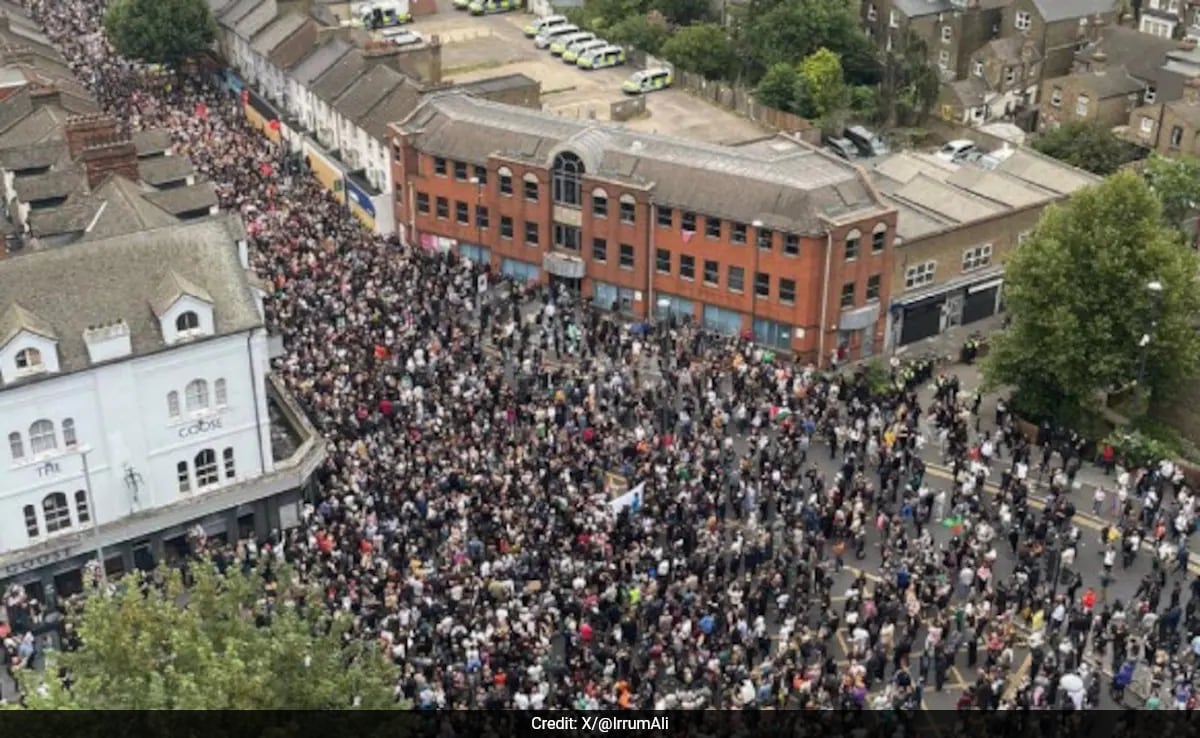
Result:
pixel 137 405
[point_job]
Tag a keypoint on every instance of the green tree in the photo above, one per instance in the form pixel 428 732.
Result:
pixel 1176 183
pixel 777 88
pixel 909 86
pixel 1086 145
pixel 683 12
pixel 703 48
pixel 144 650
pixel 638 32
pixel 1076 291
pixel 791 30
pixel 160 31
pixel 824 83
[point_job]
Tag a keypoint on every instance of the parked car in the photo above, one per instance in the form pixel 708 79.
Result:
pixel 866 141
pixel 841 147
pixel 957 150
pixel 537 25
pixel 647 80
pixel 575 50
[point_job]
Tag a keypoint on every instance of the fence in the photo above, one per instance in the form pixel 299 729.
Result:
pixel 741 100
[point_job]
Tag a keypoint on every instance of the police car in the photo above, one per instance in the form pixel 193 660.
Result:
pixel 559 46
pixel 487 7
pixel 609 56
pixel 400 37
pixel 550 35
pixel 537 25
pixel 647 80
pixel 577 49
pixel 385 14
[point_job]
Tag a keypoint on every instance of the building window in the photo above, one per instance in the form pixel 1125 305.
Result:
pixel 662 261
pixel 599 250
pixel 196 394
pixel 762 285
pixel 628 209
pixel 848 290
pixel 1176 136
pixel 766 238
pixel 977 68
pixel 1010 75
pixel 462 213
pixel 505 181
pixel 506 227
pixel 480 175
pixel 787 291
pixel 712 273
pixel 30 359
pixel 626 256
pixel 568 237
pixel 599 204
pixel 221 391
pixel 16 446
pixel 688 222
pixel 56 511
pixel 442 208
pixel 873 284
pixel 735 279
pixel 82 511
pixel 852 245
pixel 687 266
pixel 230 469
pixel 664 216
pixel 460 171
pixel 187 321
pixel 481 216
pixel 566 180
pixel 920 274
pixel 1056 97
pixel 531 188
pixel 423 203
pixel 944 59
pixel 206 469
pixel 947 34
pixel 1023 21
pixel 791 244
pixel 31 522
pixel 68 427
pixel 1081 105
pixel 737 233
pixel 712 227
pixel 439 166
pixel 531 233
pixel 184 479
pixel 977 257
pixel 1147 124
pixel 1149 95
pixel 879 239
pixel 173 404
pixel 41 437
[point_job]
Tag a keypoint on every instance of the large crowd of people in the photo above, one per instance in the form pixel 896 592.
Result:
pixel 468 515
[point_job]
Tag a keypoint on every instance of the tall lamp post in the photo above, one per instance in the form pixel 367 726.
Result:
pixel 1155 288
pixel 757 224
pixel 84 450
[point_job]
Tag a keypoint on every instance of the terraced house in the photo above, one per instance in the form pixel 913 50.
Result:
pixel 772 238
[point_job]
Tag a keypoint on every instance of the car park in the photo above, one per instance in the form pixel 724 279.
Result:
pixel 866 141
pixel 956 150
pixel 647 80
pixel 549 36
pixel 575 50
pixel 560 44
pixel 609 56
pixel 537 25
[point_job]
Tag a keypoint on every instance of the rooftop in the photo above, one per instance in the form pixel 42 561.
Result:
pixel 276 32
pixel 69 289
pixel 319 60
pixel 1058 10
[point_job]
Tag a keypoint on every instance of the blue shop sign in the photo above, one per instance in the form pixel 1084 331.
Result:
pixel 360 198
pixel 233 82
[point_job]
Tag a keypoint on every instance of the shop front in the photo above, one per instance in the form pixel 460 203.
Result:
pixel 565 272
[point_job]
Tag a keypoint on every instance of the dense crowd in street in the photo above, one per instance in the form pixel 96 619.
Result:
pixel 466 516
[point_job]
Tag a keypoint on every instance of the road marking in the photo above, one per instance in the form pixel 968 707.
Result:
pixel 1018 676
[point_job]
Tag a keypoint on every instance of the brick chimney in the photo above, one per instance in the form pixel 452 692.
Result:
pixel 43 95
pixel 1191 91
pixel 110 156
pixel 82 130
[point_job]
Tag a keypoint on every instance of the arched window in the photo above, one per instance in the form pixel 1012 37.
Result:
pixel 206 469
pixel 504 180
pixel 531 187
pixel 16 446
pixel 879 238
pixel 56 511
pixel 197 394
pixel 599 203
pixel 68 426
pixel 230 470
pixel 173 404
pixel 852 239
pixel 82 511
pixel 185 479
pixel 41 437
pixel 31 522
pixel 568 174
pixel 188 321
pixel 29 359
pixel 221 393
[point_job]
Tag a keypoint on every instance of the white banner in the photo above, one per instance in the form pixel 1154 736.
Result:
pixel 631 499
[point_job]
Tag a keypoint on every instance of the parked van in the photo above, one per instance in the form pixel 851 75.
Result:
pixel 609 56
pixel 577 49
pixel 487 7
pixel 550 35
pixel 647 80
pixel 867 142
pixel 559 47
pixel 537 25
pixel 384 14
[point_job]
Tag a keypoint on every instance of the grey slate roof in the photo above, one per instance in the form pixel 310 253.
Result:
pixel 180 200
pixel 32 156
pixel 48 185
pixel 918 8
pixel 366 92
pixel 117 278
pixel 163 169
pixel 125 210
pixel 1009 49
pixel 153 141
pixel 276 32
pixel 16 319
pixel 172 287
pixel 1112 82
pixel 319 60
pixel 793 188
pixel 398 105
pixel 1143 54
pixel 1057 10
pixel 338 78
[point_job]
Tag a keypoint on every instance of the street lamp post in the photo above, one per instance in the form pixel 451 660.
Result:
pixel 84 450
pixel 1155 288
pixel 757 224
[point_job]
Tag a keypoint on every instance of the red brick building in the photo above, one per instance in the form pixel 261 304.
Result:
pixel 774 237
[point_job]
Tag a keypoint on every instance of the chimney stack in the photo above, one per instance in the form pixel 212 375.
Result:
pixel 1099 62
pixel 110 156
pixel 82 131
pixel 1191 91
pixel 43 95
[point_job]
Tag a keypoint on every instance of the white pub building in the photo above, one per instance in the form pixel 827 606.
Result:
pixel 136 404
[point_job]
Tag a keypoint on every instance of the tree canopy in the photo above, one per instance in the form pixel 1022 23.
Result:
pixel 160 31
pixel 1087 145
pixel 228 647
pixel 703 48
pixel 1176 183
pixel 1077 293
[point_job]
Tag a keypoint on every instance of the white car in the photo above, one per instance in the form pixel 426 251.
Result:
pixel 547 37
pixel 401 37
pixel 956 150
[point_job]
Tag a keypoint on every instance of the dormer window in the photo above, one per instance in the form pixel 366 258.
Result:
pixel 187 322
pixel 184 309
pixel 29 360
